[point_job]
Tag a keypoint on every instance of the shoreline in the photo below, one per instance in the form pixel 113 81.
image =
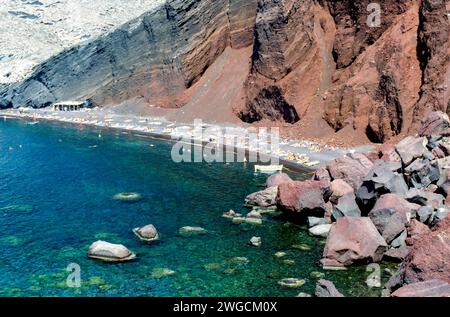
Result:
pixel 295 155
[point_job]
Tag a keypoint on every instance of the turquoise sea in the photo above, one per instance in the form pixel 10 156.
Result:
pixel 57 184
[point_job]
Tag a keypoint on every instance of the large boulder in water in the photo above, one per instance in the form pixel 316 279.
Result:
pixel 351 168
pixel 276 179
pixel 436 123
pixel 353 240
pixel 428 258
pixel 264 198
pixel 109 252
pixel 305 196
pixel 431 288
pixel 147 233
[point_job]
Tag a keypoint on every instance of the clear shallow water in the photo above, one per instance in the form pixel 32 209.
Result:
pixel 56 193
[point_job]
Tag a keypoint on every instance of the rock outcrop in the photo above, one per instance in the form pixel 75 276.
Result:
pixel 340 70
pixel 109 252
pixel 155 57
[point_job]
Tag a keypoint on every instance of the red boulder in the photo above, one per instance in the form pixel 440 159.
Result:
pixel 303 196
pixel 351 168
pixel 353 239
pixel 428 259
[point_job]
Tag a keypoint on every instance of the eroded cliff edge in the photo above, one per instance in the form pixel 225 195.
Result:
pixel 156 56
pixel 316 68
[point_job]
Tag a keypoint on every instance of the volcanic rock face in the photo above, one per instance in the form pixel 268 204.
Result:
pixel 283 38
pixel 156 57
pixel 346 69
pixel 434 54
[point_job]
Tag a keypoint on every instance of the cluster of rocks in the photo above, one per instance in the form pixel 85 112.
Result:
pixel 388 204
pixel 110 252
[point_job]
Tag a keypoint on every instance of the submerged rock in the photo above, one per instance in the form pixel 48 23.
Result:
pixel 192 231
pixel 231 214
pixel 212 266
pixel 326 288
pixel 317 275
pixel 254 214
pixel 147 233
pixel 238 220
pixel 128 197
pixel 269 211
pixel 159 273
pixel 262 198
pixel 292 282
pixel 280 254
pixel 109 252
pixel 240 260
pixel 288 262
pixel 353 239
pixel 17 208
pixel 255 241
pixel 301 247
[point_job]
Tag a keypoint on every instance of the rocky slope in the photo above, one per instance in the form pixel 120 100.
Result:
pixel 33 31
pixel 391 204
pixel 320 69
